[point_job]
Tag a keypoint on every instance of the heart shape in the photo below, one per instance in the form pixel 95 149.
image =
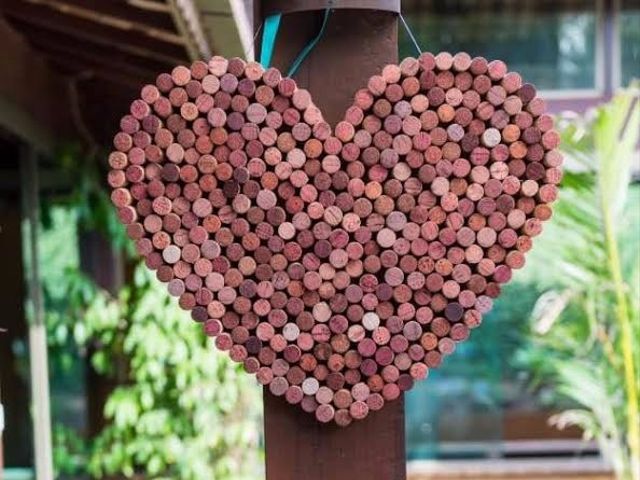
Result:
pixel 338 264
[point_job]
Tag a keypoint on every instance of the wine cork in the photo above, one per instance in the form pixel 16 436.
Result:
pixel 337 263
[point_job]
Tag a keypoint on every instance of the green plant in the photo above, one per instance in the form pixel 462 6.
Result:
pixel 187 412
pixel 181 409
pixel 588 325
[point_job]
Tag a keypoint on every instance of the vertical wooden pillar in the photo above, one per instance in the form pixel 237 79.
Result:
pixel 38 349
pixel 356 44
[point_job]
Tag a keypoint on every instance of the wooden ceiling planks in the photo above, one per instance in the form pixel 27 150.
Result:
pixel 109 20
pixel 121 43
pixel 159 17
pixel 83 30
pixel 107 48
pixel 100 54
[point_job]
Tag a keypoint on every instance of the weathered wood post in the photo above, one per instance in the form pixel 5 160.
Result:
pixel 360 38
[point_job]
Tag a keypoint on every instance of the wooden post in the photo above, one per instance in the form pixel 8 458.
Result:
pixel 357 43
pixel 38 350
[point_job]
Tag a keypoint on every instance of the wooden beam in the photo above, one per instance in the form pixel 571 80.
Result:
pixel 117 8
pixel 244 24
pixel 106 55
pixel 187 20
pixel 299 447
pixel 96 33
pixel 215 13
pixel 150 5
pixel 38 353
pixel 121 23
pixel 94 43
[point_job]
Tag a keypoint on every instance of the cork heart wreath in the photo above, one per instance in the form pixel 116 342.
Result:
pixel 338 264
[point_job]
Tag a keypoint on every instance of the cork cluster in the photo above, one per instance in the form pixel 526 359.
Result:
pixel 337 264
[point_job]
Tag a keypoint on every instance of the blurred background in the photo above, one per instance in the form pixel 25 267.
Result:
pixel 549 387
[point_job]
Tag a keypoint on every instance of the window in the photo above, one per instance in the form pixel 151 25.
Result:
pixel 552 43
pixel 479 402
pixel 629 41
pixel 473 404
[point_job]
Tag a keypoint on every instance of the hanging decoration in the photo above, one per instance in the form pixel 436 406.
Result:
pixel 338 264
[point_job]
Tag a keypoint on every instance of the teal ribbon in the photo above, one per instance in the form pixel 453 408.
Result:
pixel 271 27
pixel 307 49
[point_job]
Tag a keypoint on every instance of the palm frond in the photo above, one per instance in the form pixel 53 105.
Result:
pixel 589 320
pixel 615 133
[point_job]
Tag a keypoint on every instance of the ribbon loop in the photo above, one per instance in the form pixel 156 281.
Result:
pixel 304 53
pixel 271 27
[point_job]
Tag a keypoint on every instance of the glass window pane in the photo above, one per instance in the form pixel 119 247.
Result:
pixel 461 411
pixel 552 43
pixel 630 40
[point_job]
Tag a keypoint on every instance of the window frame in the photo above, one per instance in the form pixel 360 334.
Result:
pixel 616 46
pixel 600 81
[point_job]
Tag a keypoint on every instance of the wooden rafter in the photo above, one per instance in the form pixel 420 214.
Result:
pixel 77 28
pixel 103 54
pixel 125 24
pixel 149 5
pixel 187 20
pixel 160 19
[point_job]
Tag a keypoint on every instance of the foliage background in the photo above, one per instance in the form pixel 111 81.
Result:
pixel 181 409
